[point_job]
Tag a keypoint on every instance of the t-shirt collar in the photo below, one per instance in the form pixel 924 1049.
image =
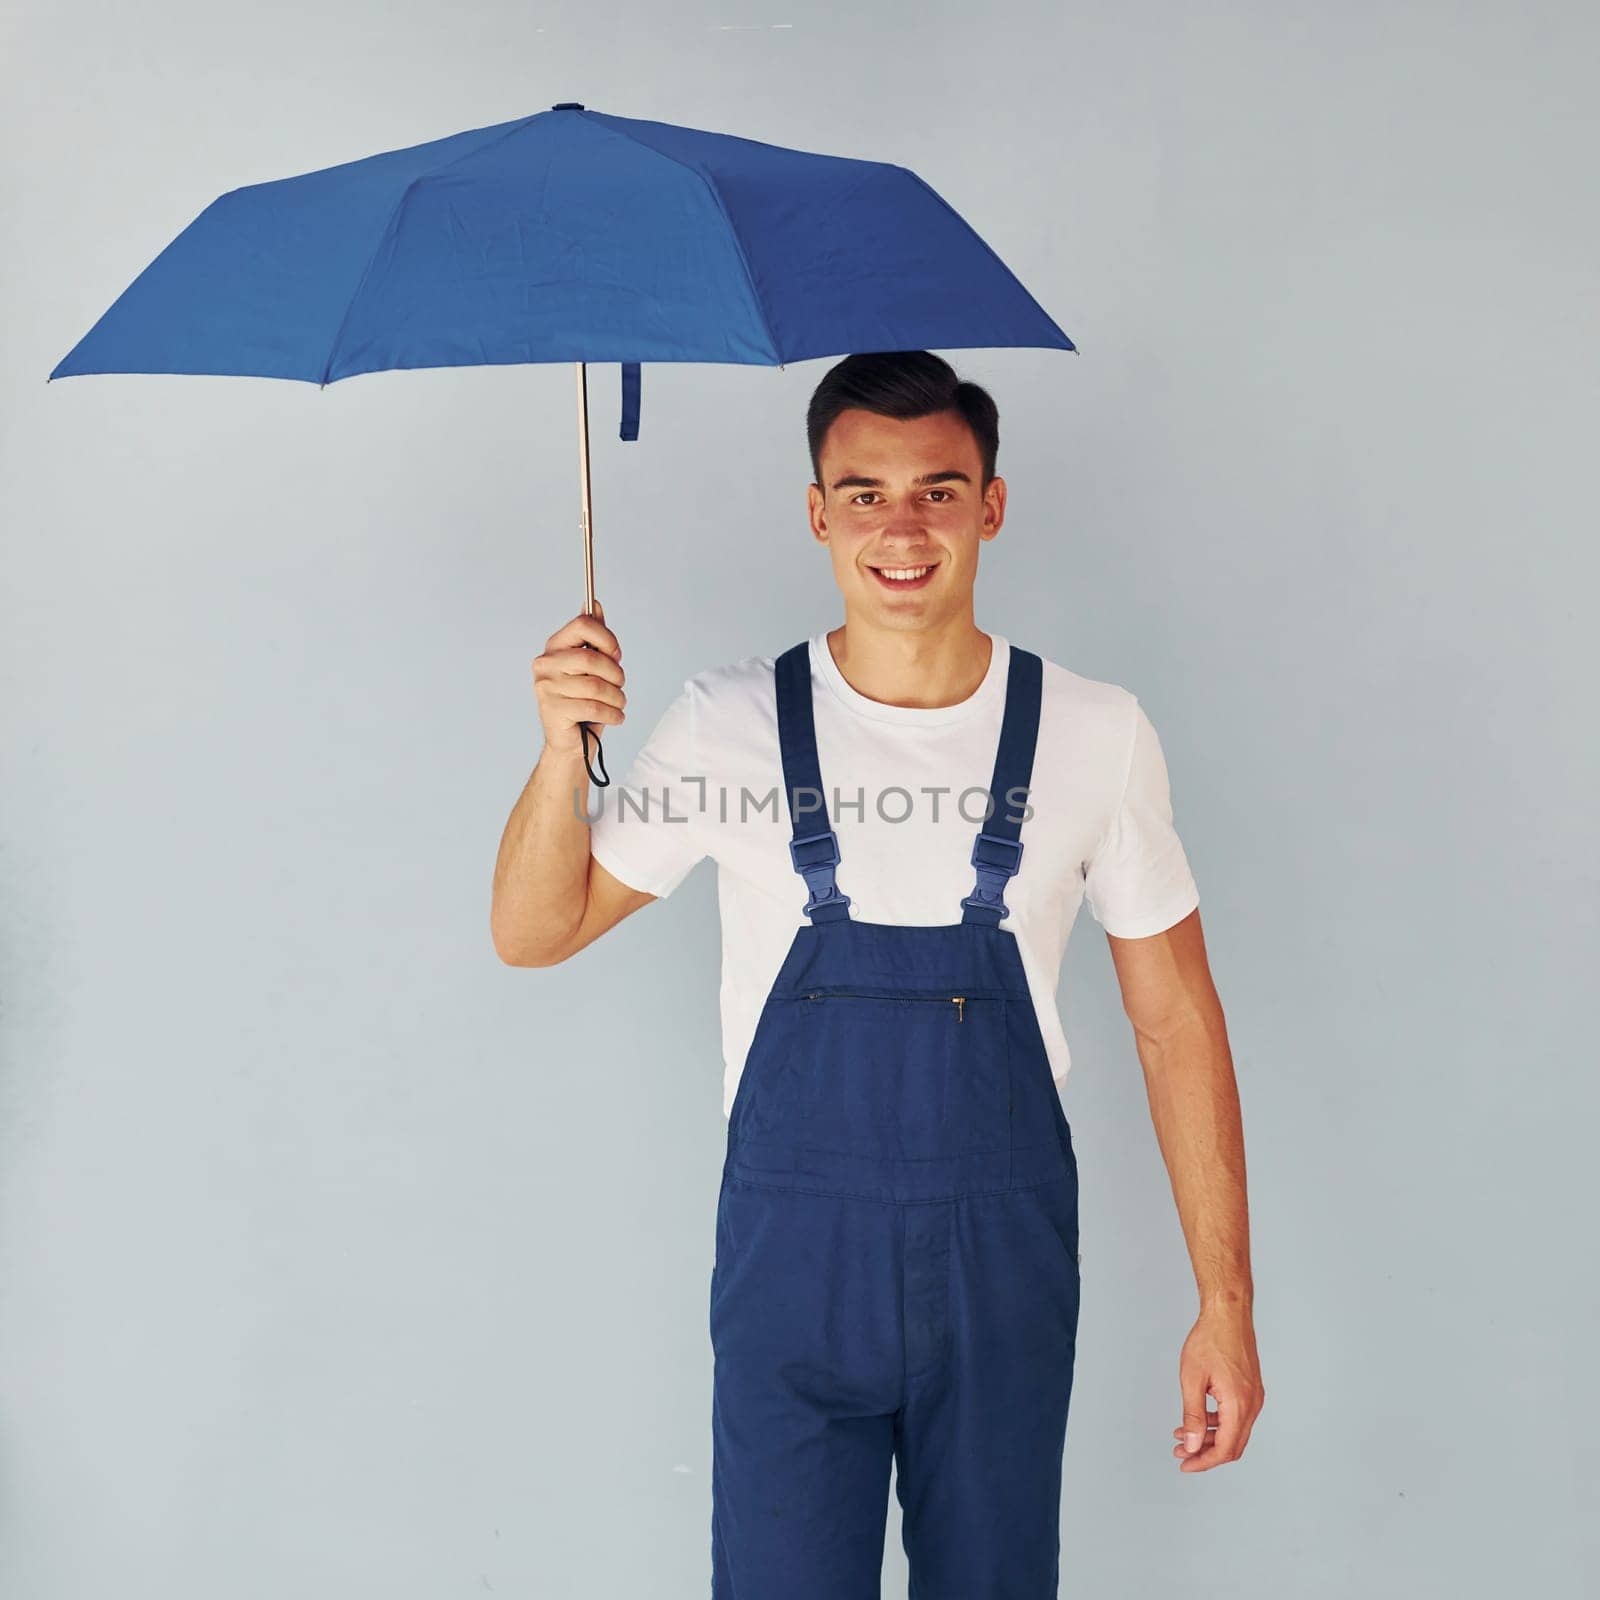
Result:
pixel 990 690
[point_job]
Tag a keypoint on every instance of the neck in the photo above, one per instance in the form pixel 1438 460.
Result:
pixel 940 665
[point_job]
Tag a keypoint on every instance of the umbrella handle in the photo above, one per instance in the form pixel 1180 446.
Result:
pixel 588 734
pixel 602 779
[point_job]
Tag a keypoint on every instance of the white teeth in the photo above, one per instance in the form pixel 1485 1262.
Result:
pixel 902 574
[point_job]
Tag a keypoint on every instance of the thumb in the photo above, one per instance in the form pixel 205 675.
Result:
pixel 1194 1411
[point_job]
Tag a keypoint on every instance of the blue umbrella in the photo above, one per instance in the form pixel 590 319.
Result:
pixel 571 236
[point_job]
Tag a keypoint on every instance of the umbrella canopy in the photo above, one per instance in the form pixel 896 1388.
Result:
pixel 570 235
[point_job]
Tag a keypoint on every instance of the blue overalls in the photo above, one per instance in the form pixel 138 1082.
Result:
pixel 896 1267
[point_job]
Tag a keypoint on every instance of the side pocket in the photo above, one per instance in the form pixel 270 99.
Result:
pixel 1060 1198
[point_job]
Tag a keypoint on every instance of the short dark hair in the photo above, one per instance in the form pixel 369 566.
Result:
pixel 902 384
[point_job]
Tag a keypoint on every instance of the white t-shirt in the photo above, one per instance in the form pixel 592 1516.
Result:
pixel 709 782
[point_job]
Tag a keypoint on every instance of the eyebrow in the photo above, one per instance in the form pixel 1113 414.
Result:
pixel 916 483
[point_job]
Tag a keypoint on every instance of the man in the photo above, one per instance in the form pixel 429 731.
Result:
pixel 896 1266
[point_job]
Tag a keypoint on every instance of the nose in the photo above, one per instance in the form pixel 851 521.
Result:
pixel 898 534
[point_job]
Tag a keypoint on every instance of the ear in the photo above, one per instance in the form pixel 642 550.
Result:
pixel 994 508
pixel 816 514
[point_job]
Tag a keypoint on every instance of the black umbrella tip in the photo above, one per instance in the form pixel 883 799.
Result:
pixel 568 105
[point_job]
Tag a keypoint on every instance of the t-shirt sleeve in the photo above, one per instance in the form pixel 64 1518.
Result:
pixel 646 828
pixel 1138 881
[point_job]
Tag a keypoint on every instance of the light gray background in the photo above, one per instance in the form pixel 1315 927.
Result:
pixel 337 1258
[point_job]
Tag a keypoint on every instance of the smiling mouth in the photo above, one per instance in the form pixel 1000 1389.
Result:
pixel 904 577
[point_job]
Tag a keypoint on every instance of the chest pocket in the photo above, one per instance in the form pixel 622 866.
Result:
pixel 909 1074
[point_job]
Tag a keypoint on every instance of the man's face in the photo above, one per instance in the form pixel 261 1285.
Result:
pixel 902 513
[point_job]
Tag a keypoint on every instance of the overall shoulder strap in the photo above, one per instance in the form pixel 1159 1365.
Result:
pixel 814 846
pixel 997 851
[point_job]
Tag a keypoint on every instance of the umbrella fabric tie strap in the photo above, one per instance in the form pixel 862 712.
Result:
pixel 630 400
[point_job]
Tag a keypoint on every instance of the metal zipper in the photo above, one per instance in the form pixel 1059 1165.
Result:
pixel 959 1001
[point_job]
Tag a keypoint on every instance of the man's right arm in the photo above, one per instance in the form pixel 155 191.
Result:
pixel 551 897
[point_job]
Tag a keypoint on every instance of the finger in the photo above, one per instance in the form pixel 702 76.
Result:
pixel 600 613
pixel 583 659
pixel 1230 1424
pixel 1223 1445
pixel 585 629
pixel 1208 1436
pixel 565 696
pixel 578 662
pixel 592 711
pixel 586 687
pixel 1192 1381
pixel 1201 1461
pixel 1249 1424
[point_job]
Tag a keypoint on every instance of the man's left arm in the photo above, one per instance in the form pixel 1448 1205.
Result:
pixel 1182 1040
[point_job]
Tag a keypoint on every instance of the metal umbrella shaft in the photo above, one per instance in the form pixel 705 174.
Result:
pixel 601 779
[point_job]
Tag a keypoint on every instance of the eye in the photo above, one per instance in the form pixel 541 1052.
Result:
pixel 942 491
pixel 856 498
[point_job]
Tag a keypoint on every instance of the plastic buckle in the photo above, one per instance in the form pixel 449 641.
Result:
pixel 1010 851
pixel 817 870
pixel 829 860
pixel 988 893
